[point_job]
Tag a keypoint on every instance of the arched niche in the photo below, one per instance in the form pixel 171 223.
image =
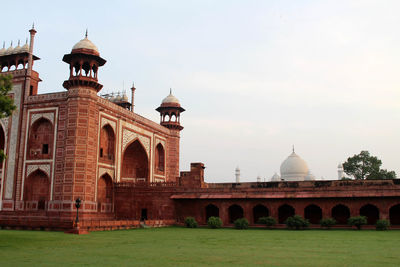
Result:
pixel 259 211
pixel 235 212
pixel 40 140
pixel 107 144
pixel 313 213
pixel 37 189
pixel 211 211
pixel 341 213
pixel 105 193
pixel 371 212
pixel 160 159
pixel 135 163
pixel 285 211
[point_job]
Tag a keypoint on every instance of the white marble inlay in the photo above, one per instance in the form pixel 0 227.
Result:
pixel 43 167
pixel 36 116
pixel 105 121
pixel 129 136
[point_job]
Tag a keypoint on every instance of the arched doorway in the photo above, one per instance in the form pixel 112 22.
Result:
pixel 211 211
pixel 107 144
pixel 105 193
pixel 235 212
pixel 313 213
pixel 160 159
pixel 394 214
pixel 37 190
pixel 371 212
pixel 135 166
pixel 259 211
pixel 40 140
pixel 285 211
pixel 341 214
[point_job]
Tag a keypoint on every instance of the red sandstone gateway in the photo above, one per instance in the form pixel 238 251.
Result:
pixel 125 168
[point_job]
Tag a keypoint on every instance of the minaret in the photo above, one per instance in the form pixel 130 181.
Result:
pixel 340 171
pixel 170 112
pixel 133 96
pixel 237 174
pixel 84 62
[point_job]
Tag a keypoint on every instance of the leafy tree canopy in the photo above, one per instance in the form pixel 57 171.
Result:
pixel 6 102
pixel 365 166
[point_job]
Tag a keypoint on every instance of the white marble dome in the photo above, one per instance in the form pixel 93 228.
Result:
pixel 275 178
pixel 170 99
pixel 85 44
pixel 294 168
pixel 309 177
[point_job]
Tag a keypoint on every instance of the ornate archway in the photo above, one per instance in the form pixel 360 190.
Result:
pixel 285 211
pixel 135 164
pixel 313 213
pixel 37 190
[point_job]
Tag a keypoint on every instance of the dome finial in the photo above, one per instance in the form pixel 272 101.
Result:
pixel 33 25
pixel 86 33
pixel 293 148
pixel 18 42
pixel 26 42
pixel 170 91
pixel 4 44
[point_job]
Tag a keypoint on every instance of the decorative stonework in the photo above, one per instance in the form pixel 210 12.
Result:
pixel 4 123
pixel 105 121
pixel 159 141
pixel 36 116
pixel 43 167
pixel 129 136
pixel 103 171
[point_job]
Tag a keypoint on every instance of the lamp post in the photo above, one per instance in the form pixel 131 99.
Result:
pixel 77 205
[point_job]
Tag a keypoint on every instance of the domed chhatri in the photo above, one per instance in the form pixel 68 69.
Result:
pixel 170 110
pixel 294 168
pixel 84 61
pixel 275 178
pixel 85 44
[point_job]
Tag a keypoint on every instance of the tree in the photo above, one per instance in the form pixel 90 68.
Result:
pixel 365 166
pixel 6 102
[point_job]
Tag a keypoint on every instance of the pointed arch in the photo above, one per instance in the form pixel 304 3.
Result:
pixel 135 163
pixel 40 140
pixel 160 159
pixel 107 144
pixel 211 211
pixel 37 189
pixel 259 211
pixel 105 193
pixel 285 211
pixel 313 213
pixel 235 212
pixel 341 213
pixel 371 212
pixel 394 215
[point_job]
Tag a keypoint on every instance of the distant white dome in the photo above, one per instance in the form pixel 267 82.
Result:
pixel 294 168
pixel 309 177
pixel 275 178
pixel 170 99
pixel 85 44
pixel 340 166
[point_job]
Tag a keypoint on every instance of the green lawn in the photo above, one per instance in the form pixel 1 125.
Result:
pixel 201 247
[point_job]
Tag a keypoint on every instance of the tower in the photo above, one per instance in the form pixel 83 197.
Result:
pixel 84 62
pixel 340 171
pixel 170 112
pixel 237 174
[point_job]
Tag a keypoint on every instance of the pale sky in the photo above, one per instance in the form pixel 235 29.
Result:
pixel 255 77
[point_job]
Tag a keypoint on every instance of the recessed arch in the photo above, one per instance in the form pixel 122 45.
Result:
pixel 259 211
pixel 40 141
pixel 371 212
pixel 235 212
pixel 394 215
pixel 135 163
pixel 37 189
pixel 285 211
pixel 211 211
pixel 313 213
pixel 160 158
pixel 107 144
pixel 341 213
pixel 104 193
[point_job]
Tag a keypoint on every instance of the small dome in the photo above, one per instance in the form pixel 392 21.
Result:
pixel 275 178
pixel 294 168
pixel 340 166
pixel 2 51
pixel 24 48
pixel 124 98
pixel 17 49
pixel 309 177
pixel 9 51
pixel 170 99
pixel 85 44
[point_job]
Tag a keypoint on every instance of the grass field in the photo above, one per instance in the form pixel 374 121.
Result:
pixel 200 247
